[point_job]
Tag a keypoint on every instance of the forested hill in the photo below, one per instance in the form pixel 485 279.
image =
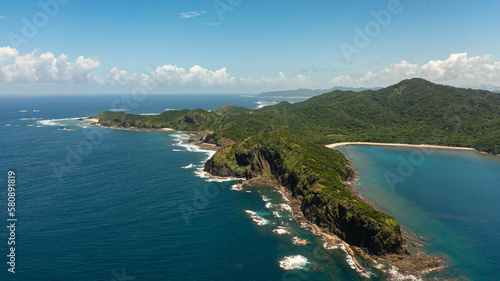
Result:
pixel 307 92
pixel 413 111
pixel 285 142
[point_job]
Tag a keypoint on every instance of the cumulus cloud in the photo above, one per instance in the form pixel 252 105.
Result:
pixel 34 68
pixel 198 77
pixel 188 15
pixel 7 53
pixel 458 69
pixel 44 68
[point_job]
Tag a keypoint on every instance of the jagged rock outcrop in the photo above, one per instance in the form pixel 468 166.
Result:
pixel 315 175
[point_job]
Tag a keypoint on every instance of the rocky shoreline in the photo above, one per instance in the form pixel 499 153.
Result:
pixel 412 261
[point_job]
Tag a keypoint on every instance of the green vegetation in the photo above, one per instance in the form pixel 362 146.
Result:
pixel 306 92
pixel 413 111
pixel 286 142
pixel 315 174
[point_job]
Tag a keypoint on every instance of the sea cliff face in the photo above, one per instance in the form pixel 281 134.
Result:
pixel 315 176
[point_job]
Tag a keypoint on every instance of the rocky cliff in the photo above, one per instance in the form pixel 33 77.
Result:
pixel 315 176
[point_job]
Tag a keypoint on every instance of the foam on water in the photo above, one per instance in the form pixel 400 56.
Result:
pixel 294 262
pixel 236 187
pixel 262 104
pixel 66 122
pixel 257 219
pixel 396 275
pixel 285 207
pixel 188 166
pixel 281 230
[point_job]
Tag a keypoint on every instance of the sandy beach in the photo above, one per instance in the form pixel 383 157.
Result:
pixel 96 123
pixel 399 144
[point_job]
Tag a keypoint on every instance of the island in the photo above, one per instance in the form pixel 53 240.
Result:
pixel 284 145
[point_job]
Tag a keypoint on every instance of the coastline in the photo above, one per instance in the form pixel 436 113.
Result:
pixel 333 145
pixel 414 264
pixel 413 261
pixel 95 122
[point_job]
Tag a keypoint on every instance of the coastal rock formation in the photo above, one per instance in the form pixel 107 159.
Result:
pixel 315 176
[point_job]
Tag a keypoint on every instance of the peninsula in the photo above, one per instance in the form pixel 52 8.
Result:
pixel 285 144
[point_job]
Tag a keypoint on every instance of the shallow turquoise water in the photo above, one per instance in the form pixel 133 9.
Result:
pixel 133 207
pixel 101 204
pixel 449 198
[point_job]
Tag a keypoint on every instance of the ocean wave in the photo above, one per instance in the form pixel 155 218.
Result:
pixel 284 196
pixel 30 118
pixel 350 261
pixel 66 122
pixel 22 110
pixel 294 262
pixel 265 198
pixel 328 246
pixel 181 139
pixel 188 166
pixel 269 205
pixel 396 275
pixel 236 187
pixel 257 219
pixel 285 207
pixel 118 109
pixel 281 230
pixel 169 109
pixel 36 110
pixel 7 125
pixel 276 214
pixel 262 104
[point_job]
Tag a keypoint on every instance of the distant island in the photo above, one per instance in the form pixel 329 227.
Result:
pixel 301 93
pixel 284 145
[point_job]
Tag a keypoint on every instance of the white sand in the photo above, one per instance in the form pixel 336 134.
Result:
pixel 399 144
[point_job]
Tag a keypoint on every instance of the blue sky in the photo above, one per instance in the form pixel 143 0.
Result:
pixel 241 46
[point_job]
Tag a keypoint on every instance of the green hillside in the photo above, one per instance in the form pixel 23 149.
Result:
pixel 285 142
pixel 413 111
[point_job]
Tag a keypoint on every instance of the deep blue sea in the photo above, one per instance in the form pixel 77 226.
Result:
pixel 102 204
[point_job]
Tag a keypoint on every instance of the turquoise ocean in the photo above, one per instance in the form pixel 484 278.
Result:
pixel 101 204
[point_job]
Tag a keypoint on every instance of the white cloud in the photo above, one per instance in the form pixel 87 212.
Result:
pixel 46 68
pixel 188 15
pixel 34 69
pixel 458 69
pixel 7 53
